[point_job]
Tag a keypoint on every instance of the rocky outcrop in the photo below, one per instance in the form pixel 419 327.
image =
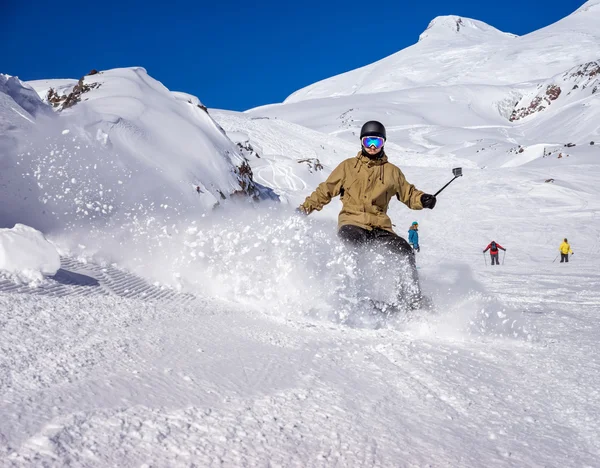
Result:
pixel 250 188
pixel 65 101
pixel 538 104
pixel 577 83
pixel 247 149
pixel 313 164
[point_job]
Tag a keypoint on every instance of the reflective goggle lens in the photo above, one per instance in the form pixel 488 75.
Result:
pixel 377 142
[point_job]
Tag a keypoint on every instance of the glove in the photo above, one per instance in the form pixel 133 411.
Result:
pixel 302 210
pixel 484 251
pixel 428 201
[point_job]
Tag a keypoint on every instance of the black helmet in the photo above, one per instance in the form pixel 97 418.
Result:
pixel 373 128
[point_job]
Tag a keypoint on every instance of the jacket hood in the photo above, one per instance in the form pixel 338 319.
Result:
pixel 372 162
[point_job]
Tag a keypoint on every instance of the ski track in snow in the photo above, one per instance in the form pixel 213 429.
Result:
pixel 279 177
pixel 87 279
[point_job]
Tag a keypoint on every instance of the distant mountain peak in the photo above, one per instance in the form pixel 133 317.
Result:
pixel 453 27
pixel 589 5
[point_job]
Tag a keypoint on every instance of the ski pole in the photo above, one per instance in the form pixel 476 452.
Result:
pixel 457 171
pixel 503 257
pixel 555 258
pixel 484 260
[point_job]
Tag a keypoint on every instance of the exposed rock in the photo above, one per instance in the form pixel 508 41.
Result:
pixel 69 100
pixel 538 104
pixel 459 23
pixel 578 79
pixel 570 145
pixel 549 180
pixel 247 149
pixel 201 106
pixel 246 180
pixel 552 92
pixel 313 164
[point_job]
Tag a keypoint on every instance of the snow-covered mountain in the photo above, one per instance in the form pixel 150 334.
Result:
pixel 465 89
pixel 182 331
pixel 169 133
pixel 120 153
pixel 574 85
pixel 158 146
pixel 455 50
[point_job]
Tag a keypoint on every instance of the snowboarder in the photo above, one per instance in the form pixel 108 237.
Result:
pixel 366 184
pixel 493 248
pixel 413 236
pixel 565 250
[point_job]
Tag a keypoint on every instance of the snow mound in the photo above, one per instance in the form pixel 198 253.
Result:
pixel 23 95
pixel 120 149
pixel 167 139
pixel 25 253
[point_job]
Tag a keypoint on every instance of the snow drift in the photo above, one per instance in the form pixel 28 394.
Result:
pixel 25 253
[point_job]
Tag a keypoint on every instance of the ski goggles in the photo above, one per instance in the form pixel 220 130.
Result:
pixel 375 141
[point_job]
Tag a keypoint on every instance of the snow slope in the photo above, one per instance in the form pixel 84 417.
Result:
pixel 469 91
pixel 22 113
pixel 240 336
pixel 167 140
pixel 121 153
pixel 258 367
pixel 102 381
pixel 492 96
pixel 456 50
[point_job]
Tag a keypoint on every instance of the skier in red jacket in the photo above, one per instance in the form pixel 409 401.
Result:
pixel 493 248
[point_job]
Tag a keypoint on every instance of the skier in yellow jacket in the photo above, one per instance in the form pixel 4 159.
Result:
pixel 565 250
pixel 366 184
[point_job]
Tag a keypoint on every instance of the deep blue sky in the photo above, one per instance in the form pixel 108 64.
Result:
pixel 234 54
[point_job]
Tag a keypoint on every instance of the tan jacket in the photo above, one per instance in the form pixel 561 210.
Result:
pixel 366 187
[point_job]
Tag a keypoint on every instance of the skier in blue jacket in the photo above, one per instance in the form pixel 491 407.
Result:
pixel 413 236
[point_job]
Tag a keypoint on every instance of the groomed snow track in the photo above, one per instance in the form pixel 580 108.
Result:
pixel 87 279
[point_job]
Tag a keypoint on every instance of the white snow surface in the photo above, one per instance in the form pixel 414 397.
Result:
pixel 176 335
pixel 25 252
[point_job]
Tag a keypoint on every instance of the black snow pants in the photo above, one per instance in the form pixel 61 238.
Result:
pixel 358 236
pixel 564 257
pixel 495 257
